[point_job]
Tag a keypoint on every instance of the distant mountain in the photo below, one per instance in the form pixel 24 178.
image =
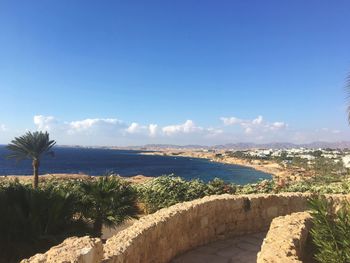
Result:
pixel 244 146
pixel 165 146
pixel 248 145
pixel 285 145
pixel 332 145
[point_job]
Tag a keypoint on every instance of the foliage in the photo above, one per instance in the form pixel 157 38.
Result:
pixel 327 170
pixel 107 201
pixel 264 186
pixel 31 216
pixel 29 213
pixel 319 187
pixel 330 232
pixel 31 146
pixel 299 162
pixel 32 220
pixel 218 186
pixel 165 191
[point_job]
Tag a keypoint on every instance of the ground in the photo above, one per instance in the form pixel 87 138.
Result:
pixel 242 249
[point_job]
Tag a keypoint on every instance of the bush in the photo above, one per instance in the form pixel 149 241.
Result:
pixel 30 216
pixel 263 187
pixel 330 232
pixel 218 186
pixel 165 191
pixel 319 187
pixel 107 201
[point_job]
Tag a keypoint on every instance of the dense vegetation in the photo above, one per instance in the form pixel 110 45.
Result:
pixel 107 201
pixel 330 232
pixel 33 219
pixel 165 191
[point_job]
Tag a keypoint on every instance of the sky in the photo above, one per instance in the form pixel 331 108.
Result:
pixel 178 72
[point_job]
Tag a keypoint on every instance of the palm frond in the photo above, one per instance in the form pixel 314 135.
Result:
pixel 347 86
pixel 31 145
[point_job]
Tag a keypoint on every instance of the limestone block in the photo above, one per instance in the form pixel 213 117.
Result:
pixel 73 249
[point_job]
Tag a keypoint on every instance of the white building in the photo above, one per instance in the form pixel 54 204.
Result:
pixel 346 161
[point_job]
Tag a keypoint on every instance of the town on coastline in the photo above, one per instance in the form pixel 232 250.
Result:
pixel 294 164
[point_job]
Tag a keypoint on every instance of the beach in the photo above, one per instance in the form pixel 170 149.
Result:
pixel 277 171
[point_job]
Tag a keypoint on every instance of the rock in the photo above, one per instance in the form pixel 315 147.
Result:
pixel 73 249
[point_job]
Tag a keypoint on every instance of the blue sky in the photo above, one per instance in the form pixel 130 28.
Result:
pixel 137 72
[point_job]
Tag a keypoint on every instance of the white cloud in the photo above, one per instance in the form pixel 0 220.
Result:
pixel 113 131
pixel 230 120
pixel 95 125
pixel 248 130
pixel 258 120
pixel 3 127
pixel 134 128
pixel 187 127
pixel 255 125
pixel 153 129
pixel 44 123
pixel 277 125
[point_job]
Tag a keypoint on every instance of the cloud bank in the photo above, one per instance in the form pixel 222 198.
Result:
pixel 255 125
pixel 229 129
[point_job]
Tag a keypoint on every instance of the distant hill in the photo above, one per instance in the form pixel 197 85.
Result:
pixel 165 146
pixel 245 146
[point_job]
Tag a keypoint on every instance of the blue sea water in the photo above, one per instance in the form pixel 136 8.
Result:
pixel 128 163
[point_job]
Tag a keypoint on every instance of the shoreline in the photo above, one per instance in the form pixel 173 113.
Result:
pixel 277 172
pixel 274 169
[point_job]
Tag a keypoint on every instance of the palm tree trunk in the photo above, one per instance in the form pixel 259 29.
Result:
pixel 36 173
pixel 97 227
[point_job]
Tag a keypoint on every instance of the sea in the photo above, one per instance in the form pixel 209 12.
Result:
pixel 100 161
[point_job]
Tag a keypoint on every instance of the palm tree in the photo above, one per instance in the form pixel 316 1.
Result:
pixel 108 201
pixel 31 146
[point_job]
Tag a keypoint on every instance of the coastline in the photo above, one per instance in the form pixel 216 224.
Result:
pixel 278 172
pixel 274 169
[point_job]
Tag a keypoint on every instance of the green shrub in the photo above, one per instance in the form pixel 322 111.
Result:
pixel 29 214
pixel 218 186
pixel 107 201
pixel 32 216
pixel 165 191
pixel 330 232
pixel 319 187
pixel 264 186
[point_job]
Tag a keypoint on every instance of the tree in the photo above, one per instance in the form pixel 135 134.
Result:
pixel 108 201
pixel 31 146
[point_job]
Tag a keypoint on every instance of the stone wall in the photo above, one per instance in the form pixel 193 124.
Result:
pixel 286 239
pixel 73 249
pixel 161 236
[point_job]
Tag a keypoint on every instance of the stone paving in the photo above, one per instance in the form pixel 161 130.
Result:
pixel 243 249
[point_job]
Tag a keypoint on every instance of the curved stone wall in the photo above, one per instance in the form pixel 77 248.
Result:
pixel 161 236
pixel 286 239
